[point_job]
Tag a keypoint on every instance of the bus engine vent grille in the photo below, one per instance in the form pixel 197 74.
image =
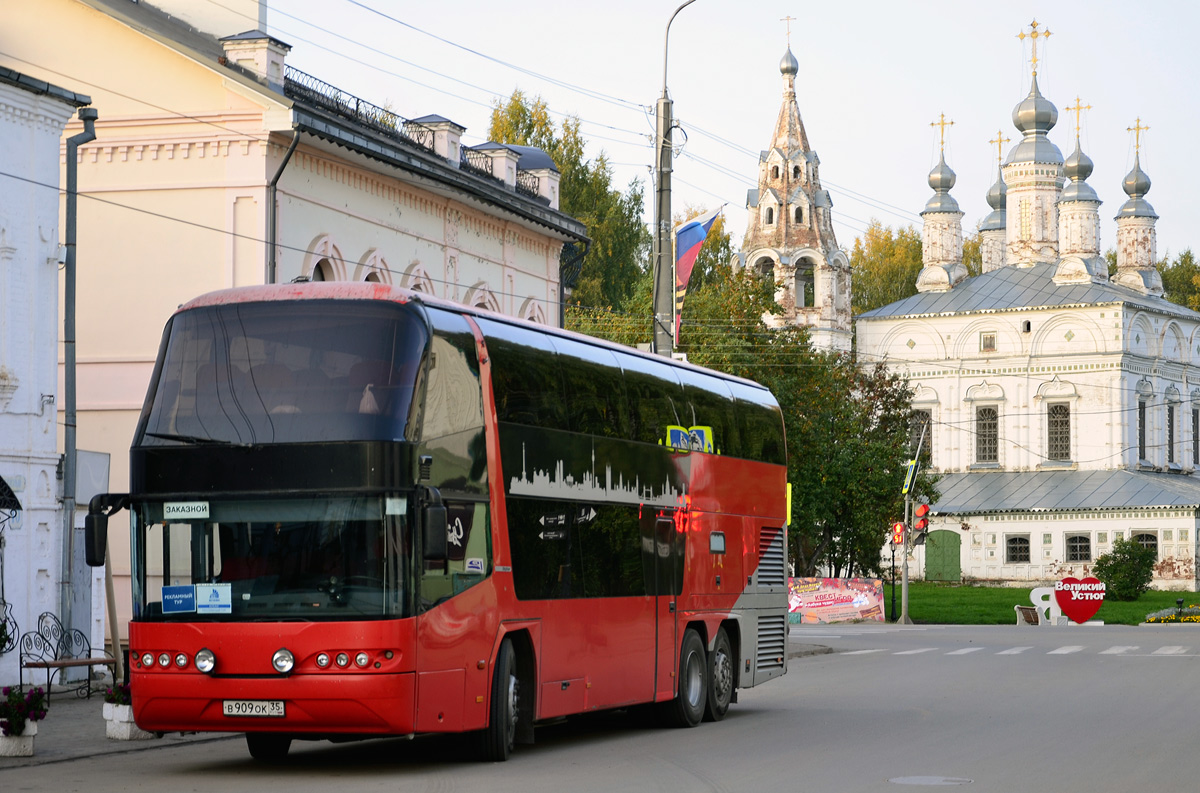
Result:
pixel 771 562
pixel 772 641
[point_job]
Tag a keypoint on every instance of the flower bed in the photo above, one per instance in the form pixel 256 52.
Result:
pixel 1166 616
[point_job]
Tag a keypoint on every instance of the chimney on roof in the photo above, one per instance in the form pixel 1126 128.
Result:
pixel 260 54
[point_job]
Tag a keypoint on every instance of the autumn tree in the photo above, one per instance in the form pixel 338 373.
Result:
pixel 884 265
pixel 620 246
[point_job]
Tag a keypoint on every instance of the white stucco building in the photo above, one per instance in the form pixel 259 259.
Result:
pixel 1063 405
pixel 217 164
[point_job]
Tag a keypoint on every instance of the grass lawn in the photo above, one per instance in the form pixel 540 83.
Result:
pixel 949 604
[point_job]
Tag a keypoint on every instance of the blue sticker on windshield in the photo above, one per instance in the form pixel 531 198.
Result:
pixel 178 599
pixel 214 598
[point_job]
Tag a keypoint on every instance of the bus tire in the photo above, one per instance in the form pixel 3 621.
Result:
pixel 268 747
pixel 500 734
pixel 691 691
pixel 720 678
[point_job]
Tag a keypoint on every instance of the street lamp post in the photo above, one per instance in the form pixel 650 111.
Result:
pixel 664 281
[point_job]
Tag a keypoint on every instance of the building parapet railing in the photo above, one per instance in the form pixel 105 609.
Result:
pixel 475 162
pixel 299 85
pixel 528 184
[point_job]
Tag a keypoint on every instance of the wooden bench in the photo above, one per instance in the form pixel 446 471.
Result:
pixel 1027 615
pixel 55 649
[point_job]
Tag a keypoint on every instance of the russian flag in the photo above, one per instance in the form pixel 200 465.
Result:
pixel 689 237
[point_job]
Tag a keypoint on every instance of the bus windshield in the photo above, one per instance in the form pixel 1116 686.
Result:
pixel 250 373
pixel 308 558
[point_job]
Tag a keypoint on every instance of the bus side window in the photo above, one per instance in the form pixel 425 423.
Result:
pixel 468 535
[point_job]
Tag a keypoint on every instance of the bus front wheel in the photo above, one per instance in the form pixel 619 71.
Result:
pixel 500 734
pixel 691 693
pixel 268 747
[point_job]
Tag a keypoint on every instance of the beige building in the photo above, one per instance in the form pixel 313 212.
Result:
pixel 217 165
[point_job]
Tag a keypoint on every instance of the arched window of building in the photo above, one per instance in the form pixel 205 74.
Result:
pixel 1058 431
pixel 1016 550
pixel 322 271
pixel 774 171
pixel 795 171
pixel 987 435
pixel 799 214
pixel 1147 540
pixel 1079 548
pixel 770 216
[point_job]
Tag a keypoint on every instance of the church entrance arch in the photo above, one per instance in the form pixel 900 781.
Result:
pixel 943 561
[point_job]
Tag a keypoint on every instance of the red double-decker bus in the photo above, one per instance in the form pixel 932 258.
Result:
pixel 358 511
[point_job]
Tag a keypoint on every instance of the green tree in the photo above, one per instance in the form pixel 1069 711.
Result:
pixel 884 265
pixel 1181 279
pixel 1126 570
pixel 620 240
pixel 973 254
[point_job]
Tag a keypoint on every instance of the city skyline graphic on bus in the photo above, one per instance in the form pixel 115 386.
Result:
pixel 556 482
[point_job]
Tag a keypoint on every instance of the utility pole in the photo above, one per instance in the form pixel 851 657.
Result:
pixel 663 342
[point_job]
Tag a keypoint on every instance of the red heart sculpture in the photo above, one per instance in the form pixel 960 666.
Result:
pixel 1079 600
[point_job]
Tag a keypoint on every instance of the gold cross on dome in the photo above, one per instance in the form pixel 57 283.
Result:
pixel 789 20
pixel 1077 109
pixel 1137 129
pixel 943 123
pixel 999 142
pixel 1034 35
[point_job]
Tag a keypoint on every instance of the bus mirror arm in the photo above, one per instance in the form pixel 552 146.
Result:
pixel 434 525
pixel 95 525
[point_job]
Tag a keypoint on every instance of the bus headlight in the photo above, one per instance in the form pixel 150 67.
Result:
pixel 283 660
pixel 206 661
pixel 323 660
pixel 147 659
pixel 342 659
pixel 180 660
pixel 164 660
pixel 362 659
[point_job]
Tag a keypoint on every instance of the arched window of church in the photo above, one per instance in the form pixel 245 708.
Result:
pixel 1147 540
pixel 799 214
pixel 1058 431
pixel 1196 436
pixel 987 435
pixel 774 171
pixel 795 171
pixel 770 216
pixel 920 433
pixel 1141 429
pixel 1079 548
pixel 1016 550
pixel 322 271
pixel 1171 411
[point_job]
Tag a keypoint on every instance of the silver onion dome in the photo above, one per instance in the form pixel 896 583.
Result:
pixel 997 196
pixel 1136 185
pixel 941 179
pixel 1034 116
pixel 1077 168
pixel 788 65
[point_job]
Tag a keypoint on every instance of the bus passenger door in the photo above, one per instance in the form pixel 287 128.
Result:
pixel 667 558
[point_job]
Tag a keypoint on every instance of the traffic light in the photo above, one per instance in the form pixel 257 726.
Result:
pixel 898 533
pixel 921 518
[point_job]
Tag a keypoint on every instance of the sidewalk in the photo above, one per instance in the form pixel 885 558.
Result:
pixel 74 728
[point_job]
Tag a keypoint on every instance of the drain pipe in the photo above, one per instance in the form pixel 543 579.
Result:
pixel 272 210
pixel 88 116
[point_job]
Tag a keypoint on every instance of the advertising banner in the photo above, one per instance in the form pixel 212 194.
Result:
pixel 819 601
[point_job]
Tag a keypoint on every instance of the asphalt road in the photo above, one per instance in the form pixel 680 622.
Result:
pixel 986 708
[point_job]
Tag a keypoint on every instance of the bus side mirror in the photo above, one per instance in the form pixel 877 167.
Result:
pixel 95 538
pixel 434 526
pixel 95 525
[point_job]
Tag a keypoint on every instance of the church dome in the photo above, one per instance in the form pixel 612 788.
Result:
pixel 941 179
pixel 1078 168
pixel 1034 116
pixel 1136 185
pixel 997 196
pixel 788 65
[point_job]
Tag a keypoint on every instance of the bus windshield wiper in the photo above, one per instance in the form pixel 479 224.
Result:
pixel 192 439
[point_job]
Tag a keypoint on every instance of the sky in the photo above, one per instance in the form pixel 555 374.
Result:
pixel 874 76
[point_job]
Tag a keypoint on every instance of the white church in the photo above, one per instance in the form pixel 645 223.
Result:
pixel 1062 408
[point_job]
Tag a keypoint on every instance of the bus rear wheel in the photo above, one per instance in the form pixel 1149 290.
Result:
pixel 268 747
pixel 720 678
pixel 501 733
pixel 691 693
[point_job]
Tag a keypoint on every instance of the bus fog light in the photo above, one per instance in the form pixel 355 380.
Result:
pixel 181 660
pixel 283 660
pixel 343 659
pixel 323 660
pixel 206 661
pixel 164 659
pixel 147 659
pixel 361 659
